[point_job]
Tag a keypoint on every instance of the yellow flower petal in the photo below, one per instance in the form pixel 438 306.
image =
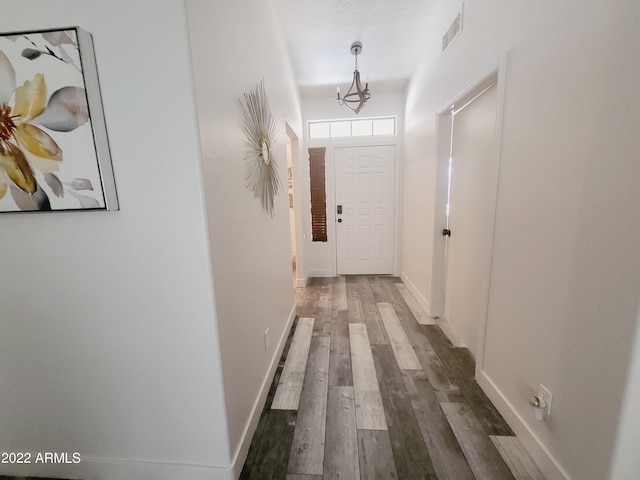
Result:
pixel 31 99
pixel 38 142
pixel 43 165
pixel 17 167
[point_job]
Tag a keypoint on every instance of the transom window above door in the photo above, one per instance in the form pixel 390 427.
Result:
pixel 356 127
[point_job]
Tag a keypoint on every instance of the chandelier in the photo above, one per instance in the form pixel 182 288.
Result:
pixel 356 97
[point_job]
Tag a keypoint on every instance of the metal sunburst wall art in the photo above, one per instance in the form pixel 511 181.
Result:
pixel 259 127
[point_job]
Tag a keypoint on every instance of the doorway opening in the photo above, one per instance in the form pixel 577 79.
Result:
pixel 297 254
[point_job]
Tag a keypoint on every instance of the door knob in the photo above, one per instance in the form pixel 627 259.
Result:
pixel 339 220
pixel 446 232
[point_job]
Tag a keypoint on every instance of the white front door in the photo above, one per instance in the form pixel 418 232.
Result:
pixel 365 205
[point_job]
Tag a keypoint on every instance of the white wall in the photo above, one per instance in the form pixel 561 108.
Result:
pixel 565 277
pixel 320 256
pixel 234 46
pixel 108 332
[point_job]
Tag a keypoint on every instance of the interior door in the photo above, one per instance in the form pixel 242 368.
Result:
pixel 472 175
pixel 365 206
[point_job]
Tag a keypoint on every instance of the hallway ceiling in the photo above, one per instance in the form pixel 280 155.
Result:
pixel 319 35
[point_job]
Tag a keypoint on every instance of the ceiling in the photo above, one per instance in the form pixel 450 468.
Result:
pixel 319 34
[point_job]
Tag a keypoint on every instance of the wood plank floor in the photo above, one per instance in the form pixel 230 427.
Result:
pixel 385 395
pixel 291 382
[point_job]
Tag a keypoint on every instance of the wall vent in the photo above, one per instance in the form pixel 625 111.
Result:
pixel 454 30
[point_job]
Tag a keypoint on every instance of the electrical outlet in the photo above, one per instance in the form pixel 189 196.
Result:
pixel 545 395
pixel 266 339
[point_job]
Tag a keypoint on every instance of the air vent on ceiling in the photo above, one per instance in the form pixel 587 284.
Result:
pixel 454 30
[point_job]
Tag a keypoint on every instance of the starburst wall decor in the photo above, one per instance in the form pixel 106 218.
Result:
pixel 259 127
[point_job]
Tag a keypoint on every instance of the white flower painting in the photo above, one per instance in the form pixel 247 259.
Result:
pixel 53 147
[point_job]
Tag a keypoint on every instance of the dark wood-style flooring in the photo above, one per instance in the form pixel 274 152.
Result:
pixel 382 396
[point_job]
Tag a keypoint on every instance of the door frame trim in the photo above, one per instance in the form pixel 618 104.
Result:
pixel 331 215
pixel 495 73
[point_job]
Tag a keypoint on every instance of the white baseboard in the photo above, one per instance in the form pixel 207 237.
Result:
pixel 241 453
pixel 322 273
pixel 424 303
pixel 302 282
pixel 446 328
pixel 543 458
pixel 450 333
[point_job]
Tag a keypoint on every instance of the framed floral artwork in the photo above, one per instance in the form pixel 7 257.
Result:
pixel 54 151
